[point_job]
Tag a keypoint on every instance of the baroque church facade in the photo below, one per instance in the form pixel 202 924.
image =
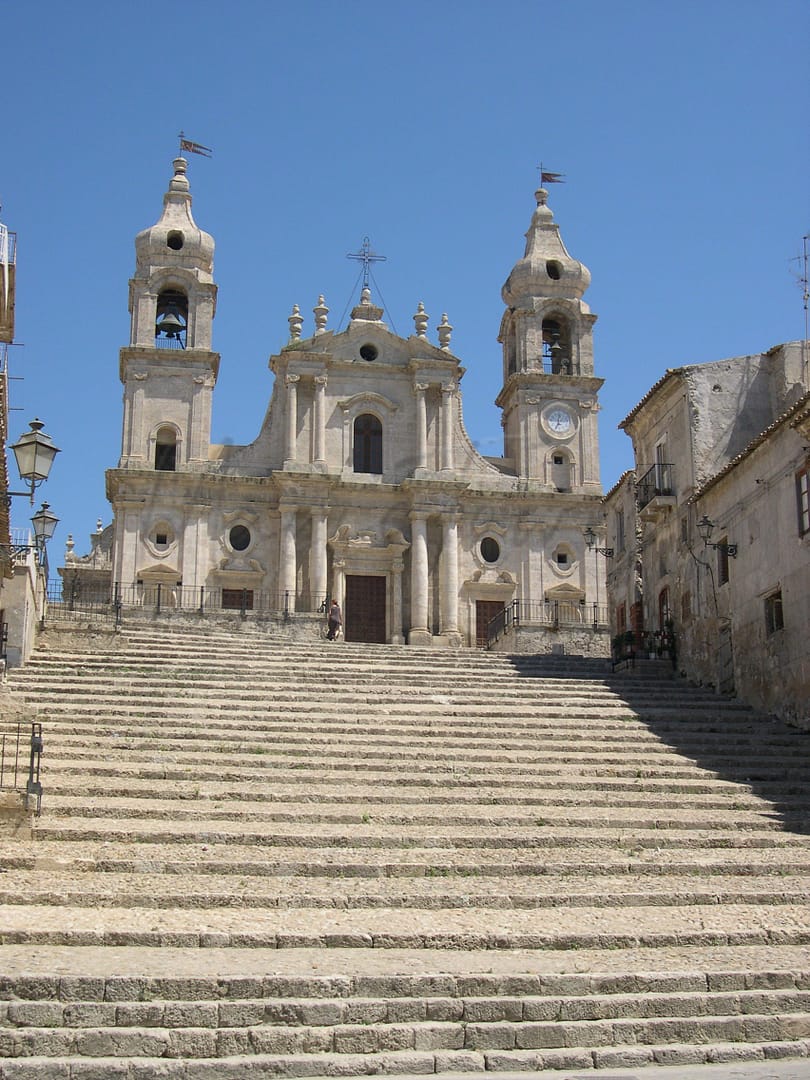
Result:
pixel 362 483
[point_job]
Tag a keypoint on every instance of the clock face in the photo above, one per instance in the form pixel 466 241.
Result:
pixel 559 421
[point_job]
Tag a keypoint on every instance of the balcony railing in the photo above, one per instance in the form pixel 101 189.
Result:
pixel 550 613
pixel 657 480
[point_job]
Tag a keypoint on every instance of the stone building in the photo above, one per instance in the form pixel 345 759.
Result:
pixel 362 482
pixel 716 523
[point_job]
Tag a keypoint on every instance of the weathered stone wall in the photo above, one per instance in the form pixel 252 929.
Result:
pixel 544 641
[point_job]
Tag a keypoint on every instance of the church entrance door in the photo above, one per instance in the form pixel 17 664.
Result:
pixel 484 611
pixel 364 615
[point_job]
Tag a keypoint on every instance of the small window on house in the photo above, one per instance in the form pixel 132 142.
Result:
pixel 490 549
pixel 161 540
pixel 803 498
pixel 368 444
pixel 722 561
pixel 553 269
pixel 239 537
pixel 620 538
pixel 175 240
pixel 562 558
pixel 166 450
pixel 369 352
pixel 774 619
pixel 559 459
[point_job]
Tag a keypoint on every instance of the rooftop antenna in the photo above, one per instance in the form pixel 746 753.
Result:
pixel 803 284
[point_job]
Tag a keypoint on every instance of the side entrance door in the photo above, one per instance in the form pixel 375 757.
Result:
pixel 364 614
pixel 484 611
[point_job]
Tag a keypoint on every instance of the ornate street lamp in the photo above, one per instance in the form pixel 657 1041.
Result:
pixel 35 452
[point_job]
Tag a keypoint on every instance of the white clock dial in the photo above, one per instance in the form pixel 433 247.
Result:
pixel 559 421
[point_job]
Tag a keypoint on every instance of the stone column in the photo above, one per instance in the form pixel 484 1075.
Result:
pixel 339 582
pixel 396 602
pixel 286 562
pixel 419 632
pixel 319 434
pixel 421 425
pixel 449 595
pixel 448 391
pixel 292 414
pixel 317 556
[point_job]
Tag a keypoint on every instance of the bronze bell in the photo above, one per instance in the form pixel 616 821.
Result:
pixel 170 323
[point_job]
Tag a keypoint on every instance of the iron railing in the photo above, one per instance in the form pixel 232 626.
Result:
pixel 657 480
pixel 15 742
pixel 548 613
pixel 635 645
pixel 68 598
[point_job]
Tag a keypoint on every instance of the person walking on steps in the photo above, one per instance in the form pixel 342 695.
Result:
pixel 335 620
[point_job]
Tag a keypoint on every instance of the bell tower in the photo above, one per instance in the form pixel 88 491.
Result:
pixel 168 369
pixel 549 392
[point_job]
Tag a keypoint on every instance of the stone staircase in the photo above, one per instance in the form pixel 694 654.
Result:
pixel 262 859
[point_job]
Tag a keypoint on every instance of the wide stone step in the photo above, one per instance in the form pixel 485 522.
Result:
pixel 153 807
pixel 380 835
pixel 363 1037
pixel 410 929
pixel 142 888
pixel 244 859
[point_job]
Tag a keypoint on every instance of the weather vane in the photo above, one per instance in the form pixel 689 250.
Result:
pixel 194 147
pixel 366 256
pixel 550 177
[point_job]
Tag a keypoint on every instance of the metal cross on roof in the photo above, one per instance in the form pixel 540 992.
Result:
pixel 366 256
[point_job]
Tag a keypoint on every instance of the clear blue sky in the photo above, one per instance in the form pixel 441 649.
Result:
pixel 681 128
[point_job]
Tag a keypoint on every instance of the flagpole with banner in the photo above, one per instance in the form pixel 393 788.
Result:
pixel 194 147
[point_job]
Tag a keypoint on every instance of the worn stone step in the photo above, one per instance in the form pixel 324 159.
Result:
pixel 591 864
pixel 393 929
pixel 473 815
pixel 380 835
pixel 143 888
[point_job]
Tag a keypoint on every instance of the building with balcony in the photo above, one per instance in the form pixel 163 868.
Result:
pixel 724 443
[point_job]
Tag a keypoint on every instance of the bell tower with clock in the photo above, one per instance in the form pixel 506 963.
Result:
pixel 549 394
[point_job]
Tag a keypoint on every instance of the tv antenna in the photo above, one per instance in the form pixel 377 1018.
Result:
pixel 802 279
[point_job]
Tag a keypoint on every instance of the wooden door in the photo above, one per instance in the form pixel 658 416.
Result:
pixel 484 611
pixel 364 610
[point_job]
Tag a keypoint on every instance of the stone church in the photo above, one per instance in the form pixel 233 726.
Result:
pixel 362 483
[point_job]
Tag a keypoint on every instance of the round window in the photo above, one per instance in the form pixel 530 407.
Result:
pixel 554 269
pixel 175 240
pixel 368 352
pixel 239 537
pixel 490 549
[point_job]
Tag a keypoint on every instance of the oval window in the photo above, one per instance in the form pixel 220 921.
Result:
pixel 175 240
pixel 239 537
pixel 490 549
pixel 368 352
pixel 554 269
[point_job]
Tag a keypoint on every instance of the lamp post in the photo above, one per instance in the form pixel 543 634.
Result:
pixel 34 452
pixel 607 552
pixel 704 528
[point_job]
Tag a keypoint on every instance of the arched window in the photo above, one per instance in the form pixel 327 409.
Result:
pixel 556 347
pixel 166 450
pixel 561 470
pixel 171 320
pixel 367 444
